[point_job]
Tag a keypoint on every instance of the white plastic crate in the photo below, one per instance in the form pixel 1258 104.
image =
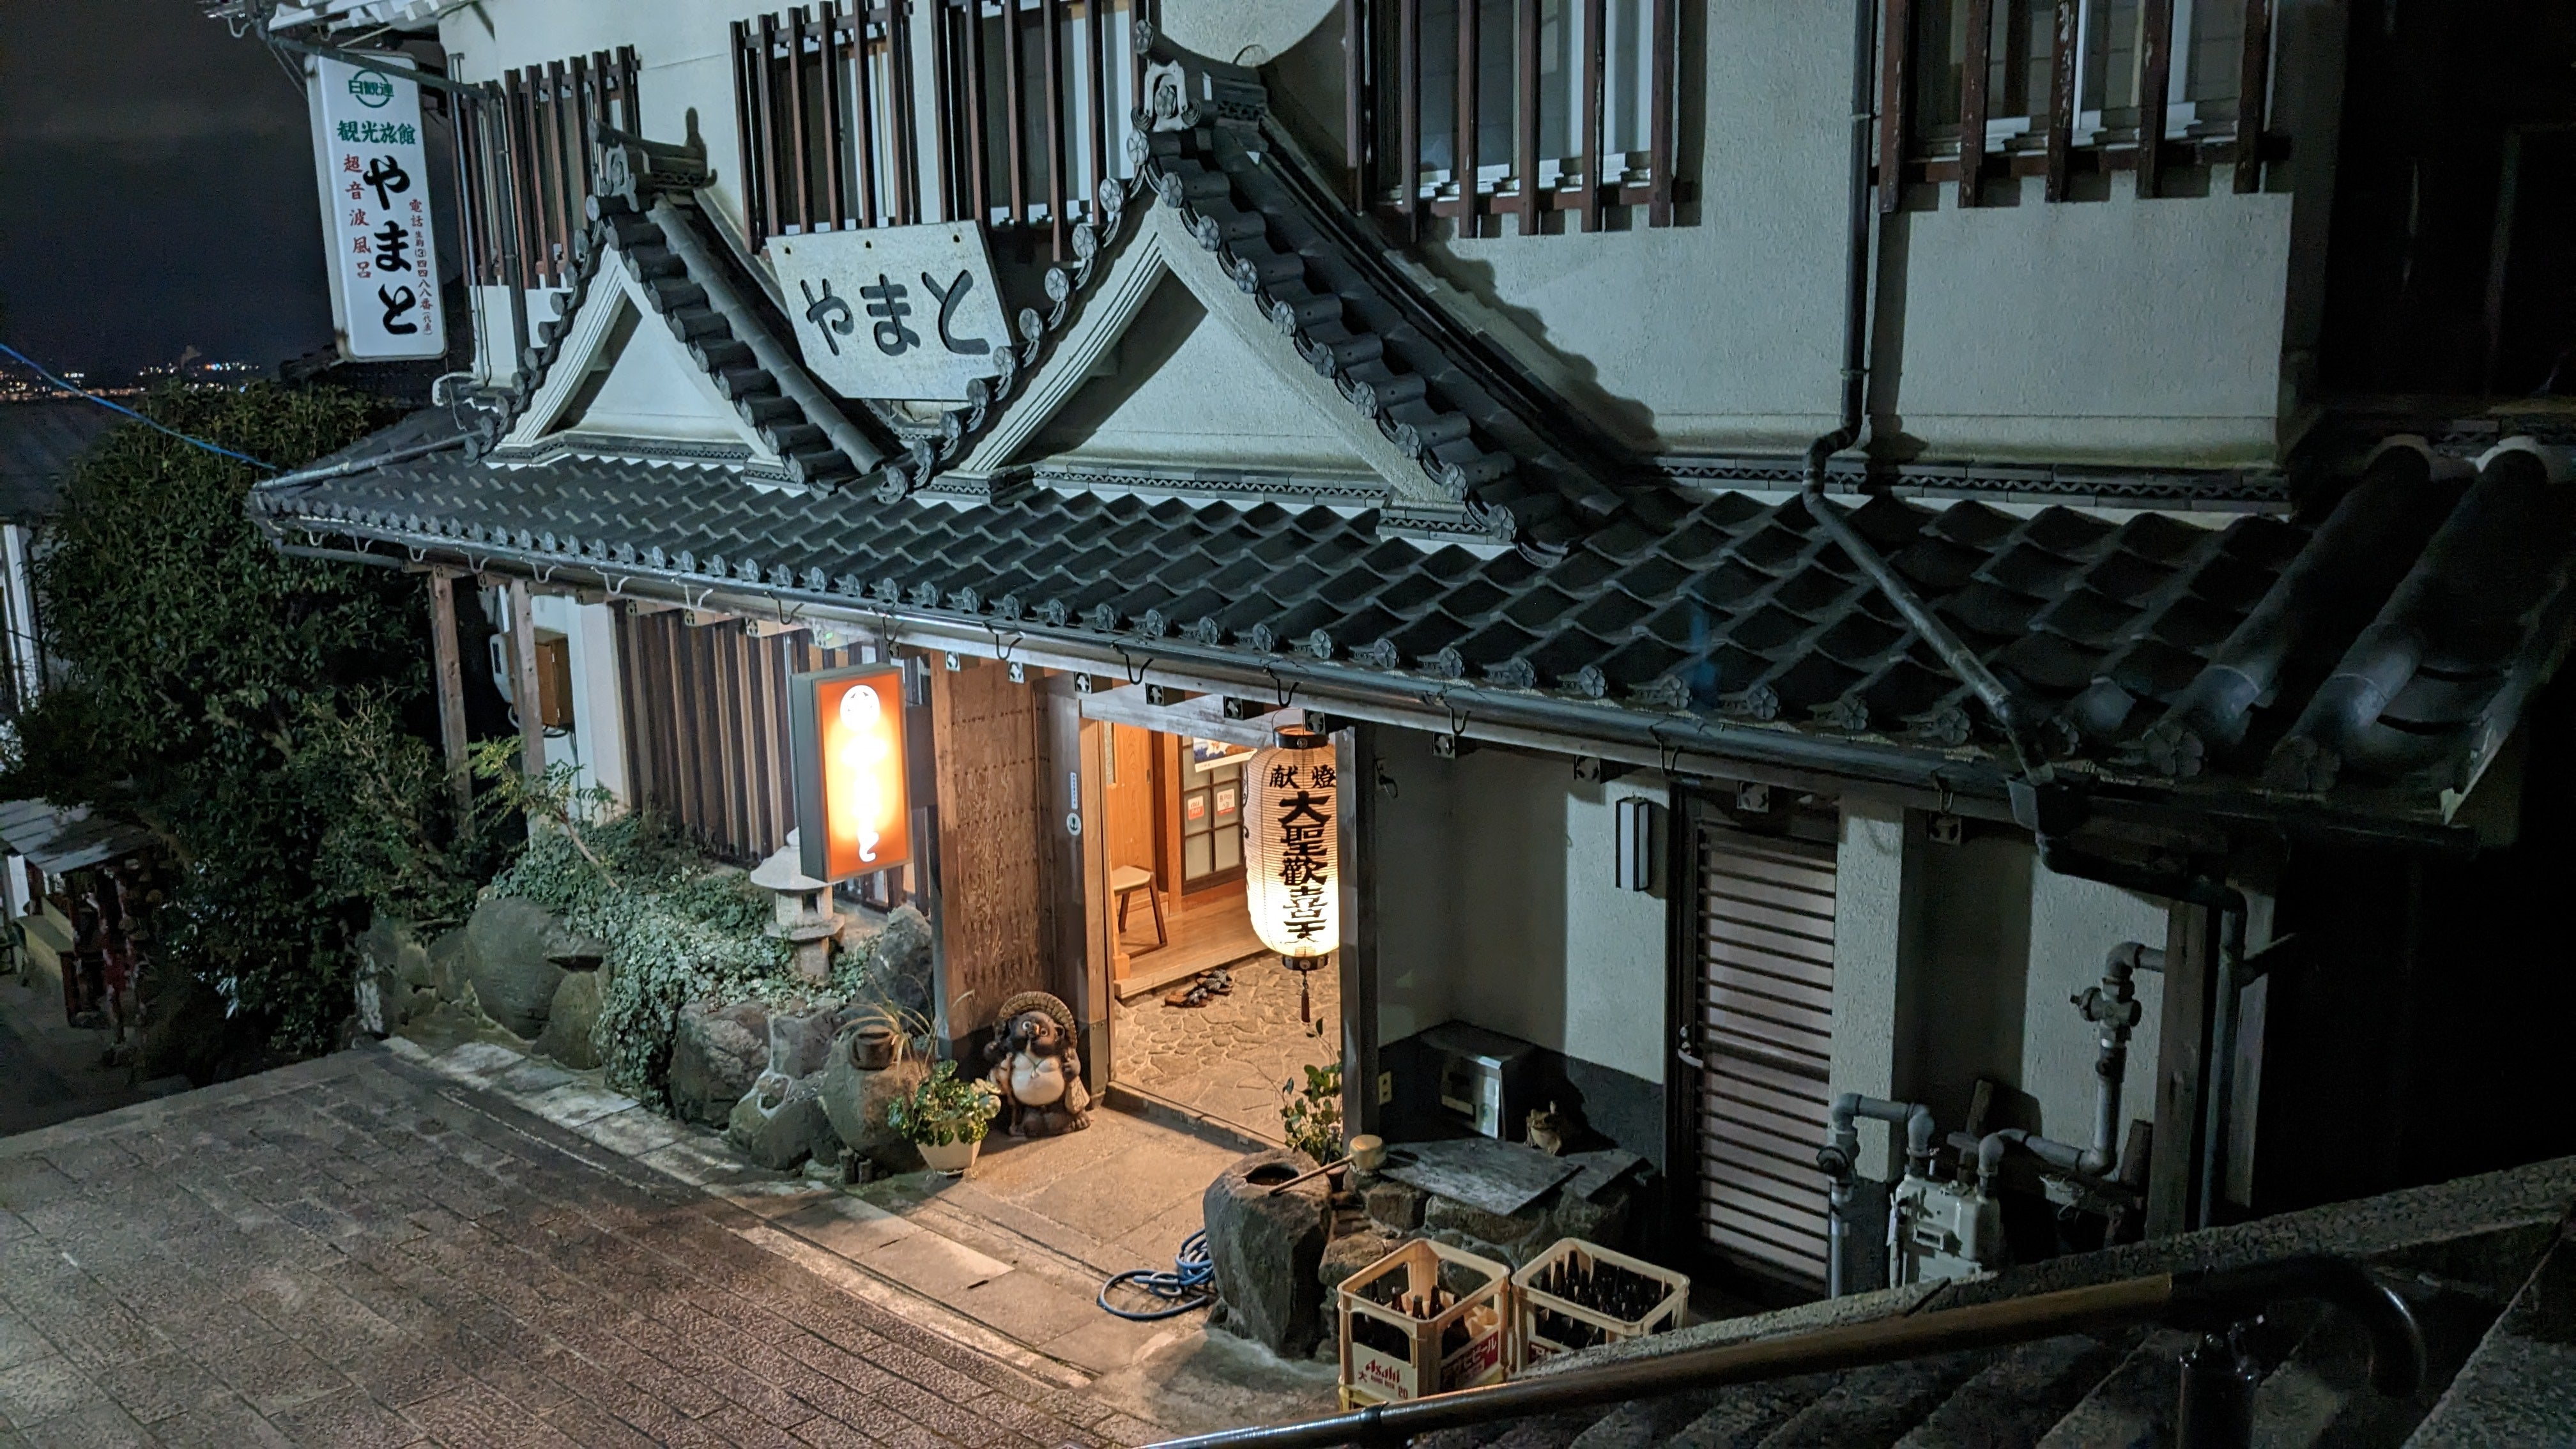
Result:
pixel 1537 1338
pixel 1460 1347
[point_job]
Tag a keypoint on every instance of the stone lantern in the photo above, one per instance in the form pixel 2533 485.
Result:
pixel 805 918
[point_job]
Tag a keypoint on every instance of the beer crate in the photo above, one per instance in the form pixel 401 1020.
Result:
pixel 1390 1355
pixel 1546 1320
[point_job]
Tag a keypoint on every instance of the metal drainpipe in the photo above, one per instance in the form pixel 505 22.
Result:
pixel 1839 1159
pixel 2010 714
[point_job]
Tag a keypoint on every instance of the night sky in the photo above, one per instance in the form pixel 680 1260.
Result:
pixel 156 190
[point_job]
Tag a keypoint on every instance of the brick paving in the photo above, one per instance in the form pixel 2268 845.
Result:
pixel 355 1252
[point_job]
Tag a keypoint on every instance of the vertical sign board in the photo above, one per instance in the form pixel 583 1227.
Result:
pixel 379 244
pixel 853 806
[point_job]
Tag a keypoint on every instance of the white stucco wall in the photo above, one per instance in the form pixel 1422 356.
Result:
pixel 1247 32
pixel 1869 880
pixel 1497 906
pixel 597 742
pixel 2073 925
pixel 2095 331
pixel 1214 401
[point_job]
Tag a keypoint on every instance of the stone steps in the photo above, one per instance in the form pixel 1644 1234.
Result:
pixel 2458 1253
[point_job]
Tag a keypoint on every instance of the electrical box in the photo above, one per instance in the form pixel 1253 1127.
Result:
pixel 1485 1079
pixel 1942 1230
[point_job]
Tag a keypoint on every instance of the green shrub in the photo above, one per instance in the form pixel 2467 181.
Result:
pixel 943 1109
pixel 248 707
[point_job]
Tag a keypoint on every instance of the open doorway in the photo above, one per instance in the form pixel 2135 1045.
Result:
pixel 1201 1015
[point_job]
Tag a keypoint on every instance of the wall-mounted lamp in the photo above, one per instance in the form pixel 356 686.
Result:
pixel 1640 830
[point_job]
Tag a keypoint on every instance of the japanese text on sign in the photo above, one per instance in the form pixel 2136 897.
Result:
pixel 377 229
pixel 904 312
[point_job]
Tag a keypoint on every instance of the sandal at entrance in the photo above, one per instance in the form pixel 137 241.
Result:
pixel 1219 982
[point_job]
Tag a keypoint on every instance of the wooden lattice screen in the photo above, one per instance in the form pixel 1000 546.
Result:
pixel 528 165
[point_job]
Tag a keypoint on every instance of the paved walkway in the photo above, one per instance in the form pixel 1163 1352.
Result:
pixel 52 1072
pixel 1228 1058
pixel 365 1251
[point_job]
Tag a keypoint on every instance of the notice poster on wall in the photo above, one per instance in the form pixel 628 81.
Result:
pixel 378 237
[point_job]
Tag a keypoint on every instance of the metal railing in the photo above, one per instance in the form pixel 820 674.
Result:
pixel 2217 1388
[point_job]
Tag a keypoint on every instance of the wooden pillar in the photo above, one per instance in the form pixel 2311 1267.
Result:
pixel 1355 751
pixel 450 665
pixel 523 685
pixel 2182 1065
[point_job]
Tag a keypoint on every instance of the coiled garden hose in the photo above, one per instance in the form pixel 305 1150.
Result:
pixel 1190 1284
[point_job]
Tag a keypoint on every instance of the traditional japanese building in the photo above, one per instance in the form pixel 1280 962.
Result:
pixel 1792 593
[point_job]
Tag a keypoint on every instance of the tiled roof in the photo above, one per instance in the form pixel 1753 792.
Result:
pixel 2380 655
pixel 39 442
pixel 1515 461
pixel 2371 653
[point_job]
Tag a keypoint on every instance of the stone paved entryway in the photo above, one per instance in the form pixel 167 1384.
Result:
pixel 361 1251
pixel 1227 1059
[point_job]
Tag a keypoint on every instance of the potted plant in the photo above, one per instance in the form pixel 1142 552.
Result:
pixel 945 1117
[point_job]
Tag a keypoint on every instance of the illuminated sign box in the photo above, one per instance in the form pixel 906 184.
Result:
pixel 853 814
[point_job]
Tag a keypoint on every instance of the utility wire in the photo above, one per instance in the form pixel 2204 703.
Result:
pixel 38 368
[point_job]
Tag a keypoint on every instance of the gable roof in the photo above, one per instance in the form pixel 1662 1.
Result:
pixel 2365 660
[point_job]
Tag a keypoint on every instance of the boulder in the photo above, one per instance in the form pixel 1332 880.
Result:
pixel 898 961
pixel 780 1123
pixel 1267 1249
pixel 569 1020
pixel 1351 1252
pixel 451 974
pixel 511 949
pixel 800 1036
pixel 716 1054
pixel 393 971
pixel 855 1099
pixel 1395 1204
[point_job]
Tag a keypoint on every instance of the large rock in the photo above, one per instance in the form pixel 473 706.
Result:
pixel 855 1100
pixel 514 951
pixel 569 1020
pixel 898 961
pixel 800 1036
pixel 1268 1249
pixel 780 1123
pixel 451 973
pixel 716 1054
pixel 394 977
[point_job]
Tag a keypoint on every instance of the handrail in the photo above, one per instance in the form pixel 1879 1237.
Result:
pixel 2207 1298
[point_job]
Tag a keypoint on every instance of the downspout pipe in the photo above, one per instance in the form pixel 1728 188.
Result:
pixel 1840 1156
pixel 2010 714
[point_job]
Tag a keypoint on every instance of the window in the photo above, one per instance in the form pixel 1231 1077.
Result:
pixel 1009 110
pixel 2055 87
pixel 526 164
pixel 1475 109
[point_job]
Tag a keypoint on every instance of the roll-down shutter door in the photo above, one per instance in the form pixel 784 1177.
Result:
pixel 1765 976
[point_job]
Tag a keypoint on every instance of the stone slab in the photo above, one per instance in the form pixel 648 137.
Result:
pixel 1496 1177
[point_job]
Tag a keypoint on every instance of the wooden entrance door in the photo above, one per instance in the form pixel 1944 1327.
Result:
pixel 1759 970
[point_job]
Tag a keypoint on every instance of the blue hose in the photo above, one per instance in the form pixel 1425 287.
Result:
pixel 1190 1284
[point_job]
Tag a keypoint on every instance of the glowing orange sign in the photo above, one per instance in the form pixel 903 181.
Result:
pixel 852 808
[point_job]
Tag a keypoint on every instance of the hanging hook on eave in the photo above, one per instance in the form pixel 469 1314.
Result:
pixel 1668 756
pixel 1136 672
pixel 1286 694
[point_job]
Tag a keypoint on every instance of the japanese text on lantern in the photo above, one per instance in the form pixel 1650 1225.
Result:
pixel 1292 852
pixel 376 222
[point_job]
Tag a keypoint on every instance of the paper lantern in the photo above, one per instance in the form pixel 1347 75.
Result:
pixel 853 814
pixel 1292 848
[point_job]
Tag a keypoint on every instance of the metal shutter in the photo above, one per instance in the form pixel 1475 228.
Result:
pixel 1766 1029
